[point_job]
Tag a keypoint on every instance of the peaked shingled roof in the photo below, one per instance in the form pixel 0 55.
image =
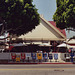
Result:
pixel 62 31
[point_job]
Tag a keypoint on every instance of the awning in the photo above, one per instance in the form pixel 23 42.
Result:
pixel 45 44
pixel 63 45
pixel 19 44
pixel 71 46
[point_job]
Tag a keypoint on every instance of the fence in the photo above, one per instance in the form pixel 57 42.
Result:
pixel 29 56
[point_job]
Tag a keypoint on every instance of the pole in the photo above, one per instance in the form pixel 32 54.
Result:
pixel 9 49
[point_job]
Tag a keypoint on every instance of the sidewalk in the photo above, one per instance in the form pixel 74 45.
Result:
pixel 39 63
pixel 58 62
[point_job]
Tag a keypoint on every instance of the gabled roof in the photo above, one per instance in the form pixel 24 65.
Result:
pixel 62 31
pixel 54 27
pixel 44 31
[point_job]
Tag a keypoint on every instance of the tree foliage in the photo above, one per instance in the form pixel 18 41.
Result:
pixel 65 14
pixel 20 16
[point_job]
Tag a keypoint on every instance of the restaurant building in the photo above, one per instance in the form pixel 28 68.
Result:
pixel 45 32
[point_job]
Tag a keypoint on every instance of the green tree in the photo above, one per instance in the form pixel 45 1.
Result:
pixel 65 14
pixel 18 16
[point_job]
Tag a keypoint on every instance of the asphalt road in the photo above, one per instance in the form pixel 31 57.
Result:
pixel 39 69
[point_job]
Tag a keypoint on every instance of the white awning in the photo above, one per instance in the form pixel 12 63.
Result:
pixel 71 46
pixel 63 45
pixel 72 41
pixel 45 44
pixel 19 44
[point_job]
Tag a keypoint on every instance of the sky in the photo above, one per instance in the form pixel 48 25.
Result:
pixel 47 8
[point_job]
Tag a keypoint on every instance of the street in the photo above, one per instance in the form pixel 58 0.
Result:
pixel 39 69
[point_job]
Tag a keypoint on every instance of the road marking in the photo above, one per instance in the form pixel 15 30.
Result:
pixel 41 69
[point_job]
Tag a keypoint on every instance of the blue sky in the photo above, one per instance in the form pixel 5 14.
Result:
pixel 48 8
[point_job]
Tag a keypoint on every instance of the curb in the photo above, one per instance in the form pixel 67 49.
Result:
pixel 38 63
